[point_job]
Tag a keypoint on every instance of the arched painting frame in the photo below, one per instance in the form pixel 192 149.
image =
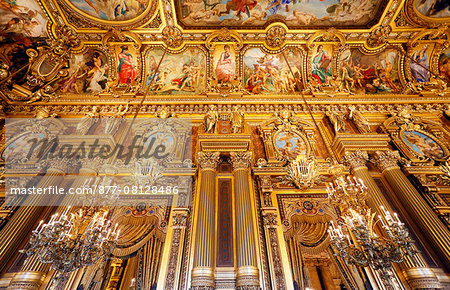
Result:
pixel 289 144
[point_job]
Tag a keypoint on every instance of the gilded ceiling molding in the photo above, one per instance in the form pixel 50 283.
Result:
pixel 441 33
pixel 330 35
pixel 117 35
pixel 378 37
pixel 222 35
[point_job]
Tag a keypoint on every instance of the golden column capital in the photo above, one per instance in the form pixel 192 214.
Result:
pixel 422 278
pixel 208 160
pixel 27 280
pixel 241 160
pixel 355 159
pixel 385 160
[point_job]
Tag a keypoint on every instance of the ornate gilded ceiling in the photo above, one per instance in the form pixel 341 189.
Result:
pixel 236 51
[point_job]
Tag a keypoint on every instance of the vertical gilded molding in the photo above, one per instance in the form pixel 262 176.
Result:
pixel 22 221
pixel 203 268
pixel 247 276
pixel 433 229
pixel 357 161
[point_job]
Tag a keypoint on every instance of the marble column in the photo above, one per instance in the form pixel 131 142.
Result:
pixel 247 271
pixel 32 267
pixel 432 228
pixel 22 221
pixel 203 269
pixel 357 161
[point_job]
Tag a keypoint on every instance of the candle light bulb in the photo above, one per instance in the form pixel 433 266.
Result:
pixel 40 224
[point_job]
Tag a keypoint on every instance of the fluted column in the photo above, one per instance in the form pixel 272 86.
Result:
pixel 32 268
pixel 247 270
pixel 21 223
pixel 357 161
pixel 203 270
pixel 433 229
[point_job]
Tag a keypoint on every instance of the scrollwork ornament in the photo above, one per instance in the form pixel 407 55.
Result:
pixel 276 36
pixel 172 36
pixel 378 36
pixel 67 39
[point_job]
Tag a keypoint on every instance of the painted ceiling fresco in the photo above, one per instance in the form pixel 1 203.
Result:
pixel 433 8
pixel 21 17
pixel 111 9
pixel 294 13
pixel 119 49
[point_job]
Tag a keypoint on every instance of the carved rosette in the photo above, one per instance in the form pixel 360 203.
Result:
pixel 379 36
pixel 208 160
pixel 385 160
pixel 270 219
pixel 276 36
pixel 241 160
pixel 172 36
pixel 355 159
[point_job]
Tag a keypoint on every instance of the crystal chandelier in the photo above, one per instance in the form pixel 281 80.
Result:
pixel 362 247
pixel 302 171
pixel 71 243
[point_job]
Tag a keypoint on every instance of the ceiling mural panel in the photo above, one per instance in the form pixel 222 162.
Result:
pixel 22 17
pixel 294 13
pixel 444 65
pixel 269 73
pixel 433 8
pixel 116 10
pixel 371 73
pixel 87 74
pixel 183 73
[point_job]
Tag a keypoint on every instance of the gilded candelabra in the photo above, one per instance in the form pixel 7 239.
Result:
pixel 71 243
pixel 362 247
